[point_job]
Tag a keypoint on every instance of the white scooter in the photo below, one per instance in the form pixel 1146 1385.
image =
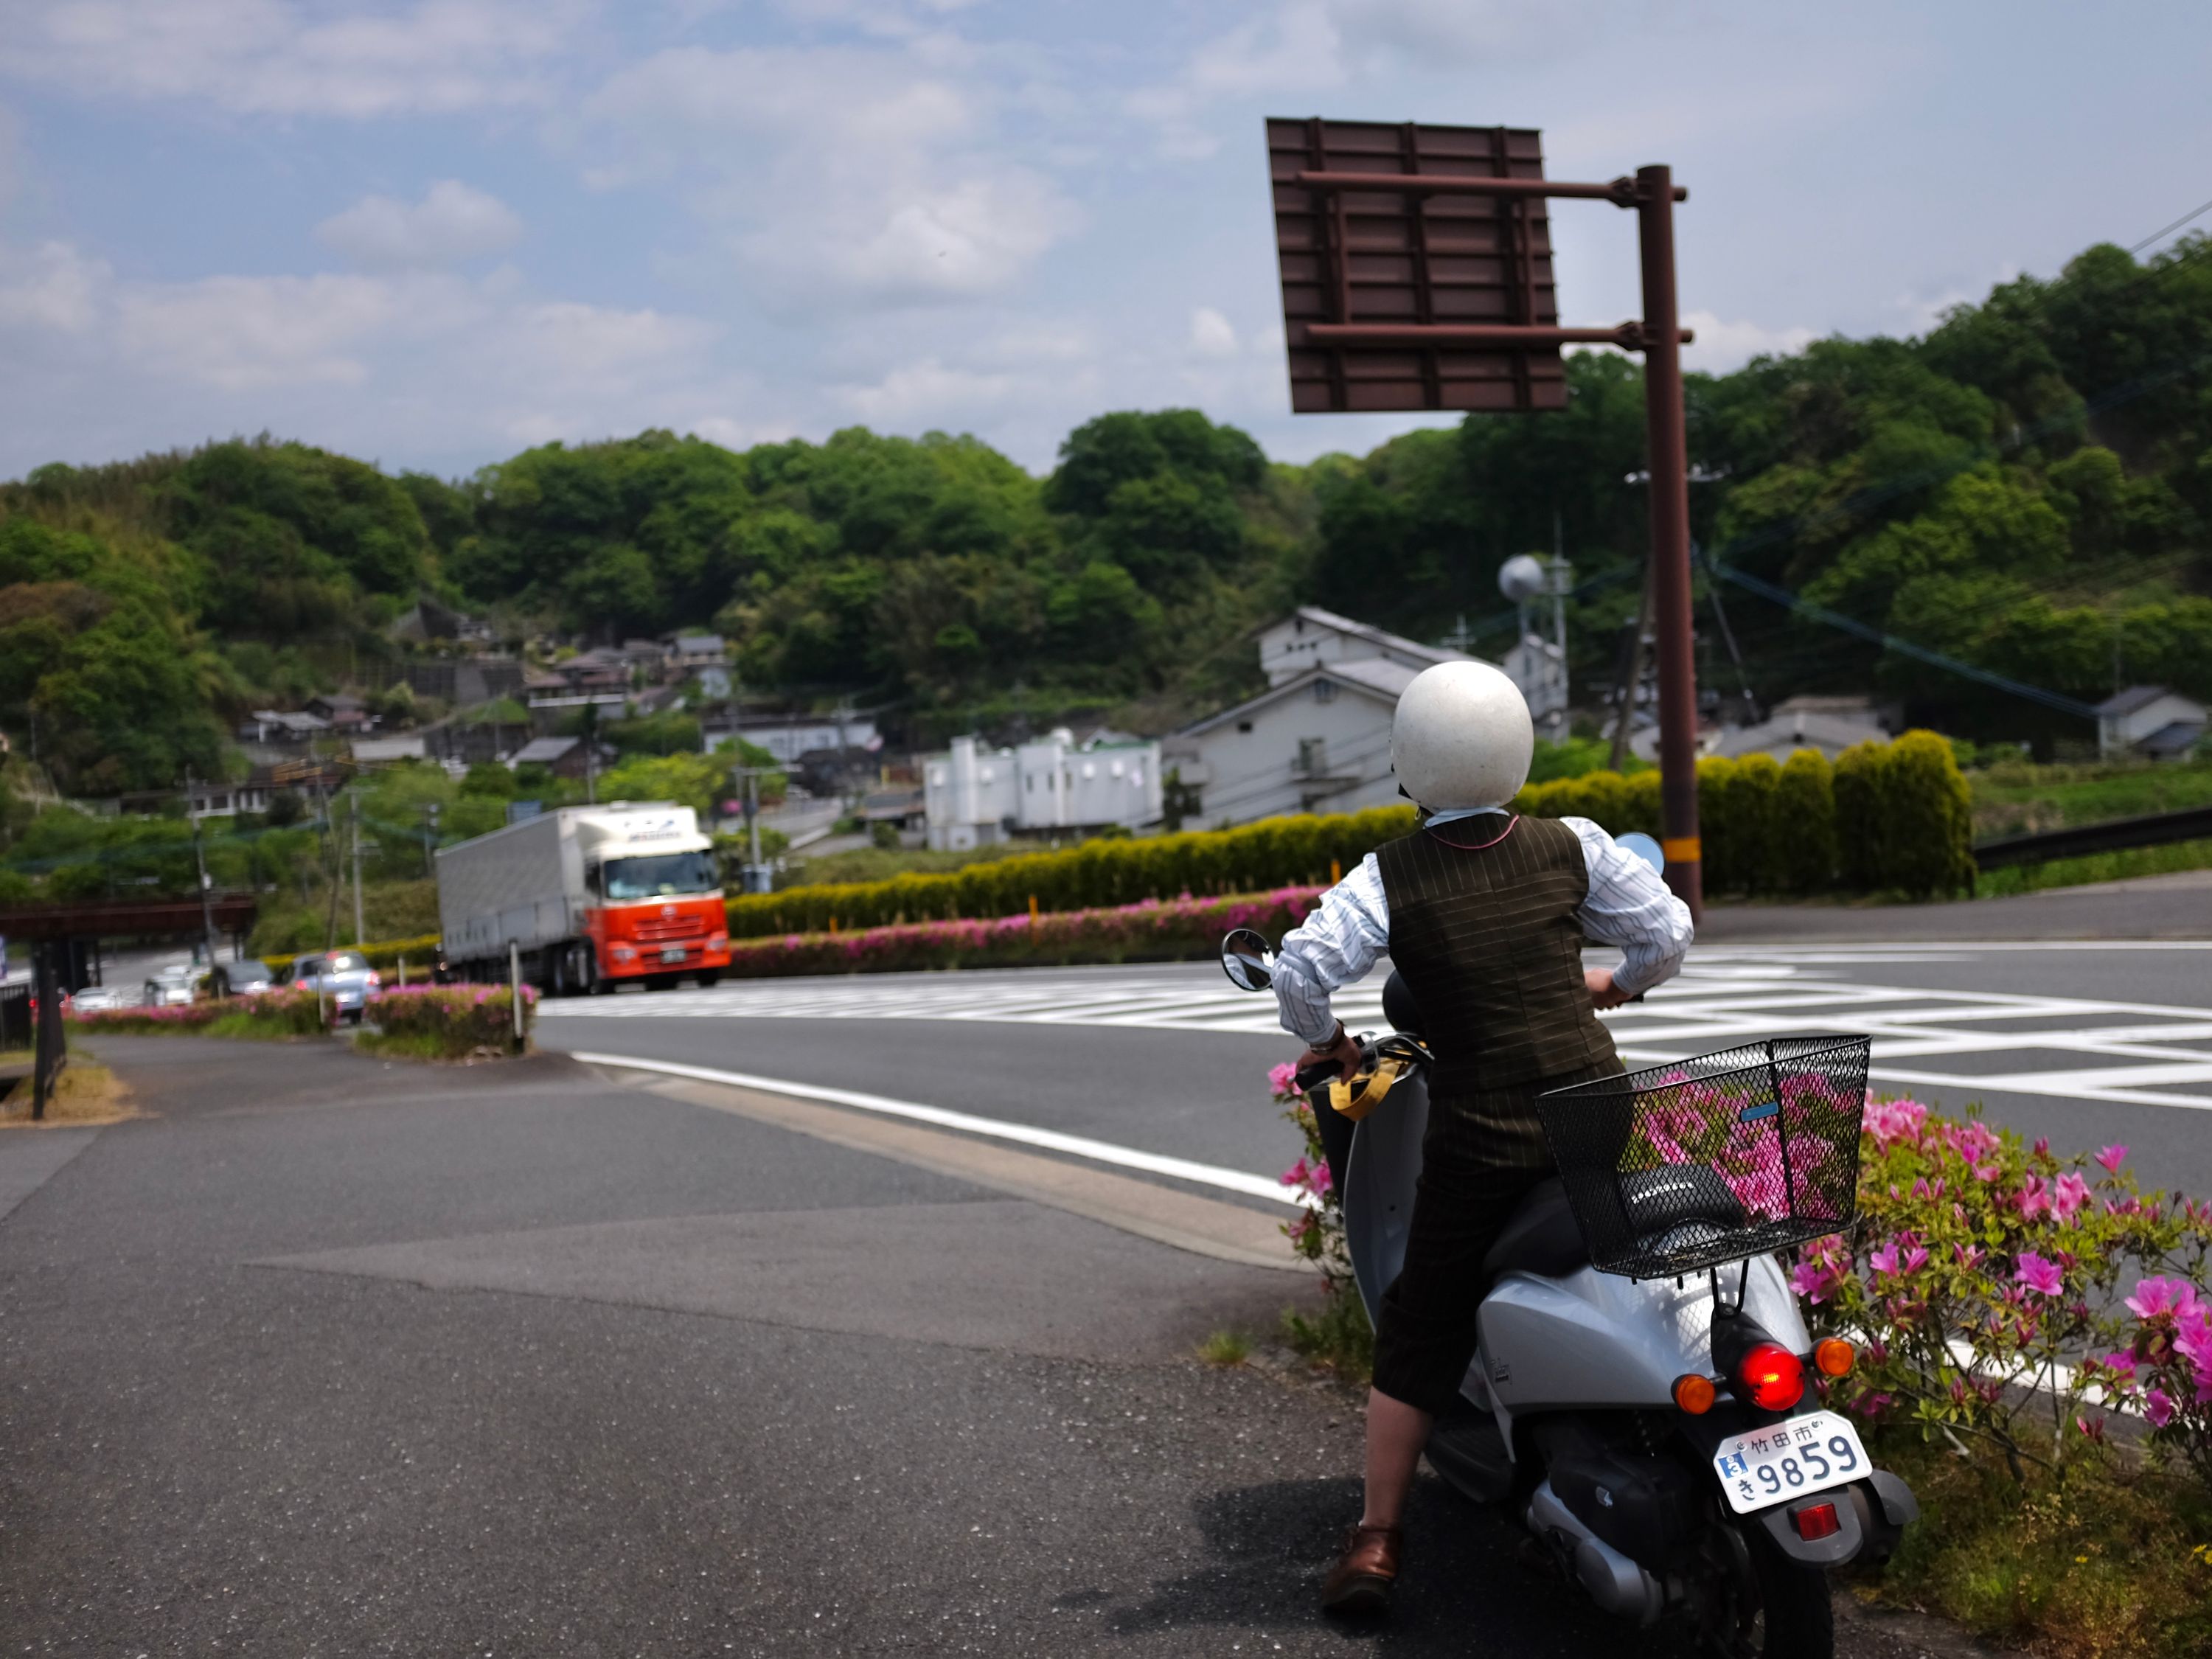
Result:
pixel 1659 1436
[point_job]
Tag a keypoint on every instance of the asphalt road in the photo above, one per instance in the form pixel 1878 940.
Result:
pixel 328 1357
pixel 2087 1044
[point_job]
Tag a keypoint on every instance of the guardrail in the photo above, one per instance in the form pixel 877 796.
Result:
pixel 2118 835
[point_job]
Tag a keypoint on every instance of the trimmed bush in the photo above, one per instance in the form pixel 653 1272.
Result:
pixel 1804 861
pixel 272 1014
pixel 420 952
pixel 1896 814
pixel 451 1021
pixel 1099 874
pixel 1177 930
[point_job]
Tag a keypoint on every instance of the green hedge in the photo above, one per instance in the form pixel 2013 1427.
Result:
pixel 1888 816
pixel 1097 875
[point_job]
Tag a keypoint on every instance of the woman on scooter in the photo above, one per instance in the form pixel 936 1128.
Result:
pixel 1484 914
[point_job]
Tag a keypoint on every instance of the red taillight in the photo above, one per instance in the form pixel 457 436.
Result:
pixel 375 979
pixel 1771 1377
pixel 1816 1521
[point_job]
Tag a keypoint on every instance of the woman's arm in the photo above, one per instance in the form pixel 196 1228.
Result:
pixel 1333 947
pixel 1628 905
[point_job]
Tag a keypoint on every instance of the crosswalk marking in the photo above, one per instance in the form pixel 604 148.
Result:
pixel 2153 1053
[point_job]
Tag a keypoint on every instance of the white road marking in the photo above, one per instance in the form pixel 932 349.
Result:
pixel 1099 1152
pixel 2154 1054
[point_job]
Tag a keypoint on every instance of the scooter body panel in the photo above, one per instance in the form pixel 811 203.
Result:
pixel 1597 1339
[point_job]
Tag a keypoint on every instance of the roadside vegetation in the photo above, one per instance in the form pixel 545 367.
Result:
pixel 86 1092
pixel 2019 798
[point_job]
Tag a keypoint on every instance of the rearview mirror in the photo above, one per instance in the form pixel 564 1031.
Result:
pixel 1644 848
pixel 1248 960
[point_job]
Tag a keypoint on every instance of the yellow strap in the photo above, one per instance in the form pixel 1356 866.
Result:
pixel 1363 1094
pixel 1682 849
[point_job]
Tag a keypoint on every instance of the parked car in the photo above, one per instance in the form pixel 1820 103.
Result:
pixel 243 979
pixel 95 998
pixel 344 976
pixel 172 987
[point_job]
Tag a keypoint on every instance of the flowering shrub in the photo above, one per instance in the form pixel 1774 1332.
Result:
pixel 453 1021
pixel 1986 1287
pixel 272 1013
pixel 1153 931
pixel 1340 1335
pixel 1698 1122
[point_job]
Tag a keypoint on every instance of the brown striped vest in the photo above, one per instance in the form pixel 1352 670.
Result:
pixel 1486 940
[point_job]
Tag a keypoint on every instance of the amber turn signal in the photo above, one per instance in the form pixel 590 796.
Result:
pixel 1833 1357
pixel 1694 1394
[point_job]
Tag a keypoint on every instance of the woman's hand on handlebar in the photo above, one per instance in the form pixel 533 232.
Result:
pixel 1602 991
pixel 1343 1053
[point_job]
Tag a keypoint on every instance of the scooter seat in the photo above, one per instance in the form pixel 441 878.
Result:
pixel 1540 1238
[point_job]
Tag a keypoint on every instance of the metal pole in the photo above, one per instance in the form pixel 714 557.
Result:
pixel 360 932
pixel 199 863
pixel 752 810
pixel 45 986
pixel 1670 538
pixel 1631 686
pixel 514 985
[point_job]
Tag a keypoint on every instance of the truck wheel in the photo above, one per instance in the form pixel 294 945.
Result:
pixel 711 977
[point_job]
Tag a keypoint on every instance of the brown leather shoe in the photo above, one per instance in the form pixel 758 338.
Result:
pixel 1359 1585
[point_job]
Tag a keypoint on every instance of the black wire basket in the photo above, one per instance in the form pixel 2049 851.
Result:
pixel 1685 1166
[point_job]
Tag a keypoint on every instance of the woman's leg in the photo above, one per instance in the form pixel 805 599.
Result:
pixel 1396 1432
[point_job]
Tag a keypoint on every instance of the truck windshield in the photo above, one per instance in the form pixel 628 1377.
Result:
pixel 661 876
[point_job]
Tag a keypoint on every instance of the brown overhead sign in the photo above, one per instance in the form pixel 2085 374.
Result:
pixel 1361 260
pixel 1416 264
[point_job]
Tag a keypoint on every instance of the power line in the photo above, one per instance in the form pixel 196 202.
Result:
pixel 2193 213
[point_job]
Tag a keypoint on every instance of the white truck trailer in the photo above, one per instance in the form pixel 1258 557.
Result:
pixel 588 897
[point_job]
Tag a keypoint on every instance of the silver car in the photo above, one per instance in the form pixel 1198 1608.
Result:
pixel 96 998
pixel 243 979
pixel 172 987
pixel 344 976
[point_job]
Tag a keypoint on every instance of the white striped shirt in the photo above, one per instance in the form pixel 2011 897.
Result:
pixel 1627 905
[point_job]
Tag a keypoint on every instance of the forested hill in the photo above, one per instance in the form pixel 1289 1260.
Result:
pixel 2028 488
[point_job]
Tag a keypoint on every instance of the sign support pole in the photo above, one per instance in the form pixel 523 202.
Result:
pixel 1670 538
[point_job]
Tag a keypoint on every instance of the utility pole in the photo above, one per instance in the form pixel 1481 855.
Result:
pixel 1631 683
pixel 429 838
pixel 757 877
pixel 360 932
pixel 1669 502
pixel 199 863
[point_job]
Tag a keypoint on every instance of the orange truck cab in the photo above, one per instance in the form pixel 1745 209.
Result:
pixel 656 913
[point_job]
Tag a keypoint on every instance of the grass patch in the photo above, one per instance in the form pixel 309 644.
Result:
pixel 882 863
pixel 2013 798
pixel 425 1045
pixel 2096 866
pixel 1337 1337
pixel 1226 1348
pixel 85 1093
pixel 2116 1561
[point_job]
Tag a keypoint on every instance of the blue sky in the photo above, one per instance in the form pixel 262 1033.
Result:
pixel 431 232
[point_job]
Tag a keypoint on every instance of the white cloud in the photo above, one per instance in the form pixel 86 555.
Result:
pixel 1211 336
pixel 928 393
pixel 452 222
pixel 293 57
pixel 1720 346
pixel 51 287
pixel 838 175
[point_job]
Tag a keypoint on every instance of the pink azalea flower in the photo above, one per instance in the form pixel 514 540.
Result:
pixel 2033 1198
pixel 2158 1407
pixel 2112 1156
pixel 2154 1297
pixel 2039 1274
pixel 1884 1259
pixel 1280 1078
pixel 2070 1195
pixel 1811 1281
pixel 2121 1365
pixel 1297 1174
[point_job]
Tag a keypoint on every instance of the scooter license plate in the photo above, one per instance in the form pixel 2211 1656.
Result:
pixel 1796 1455
pixel 672 953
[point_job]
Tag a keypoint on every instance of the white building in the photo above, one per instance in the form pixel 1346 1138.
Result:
pixel 2149 722
pixel 1310 637
pixel 1829 725
pixel 1318 739
pixel 973 797
pixel 788 736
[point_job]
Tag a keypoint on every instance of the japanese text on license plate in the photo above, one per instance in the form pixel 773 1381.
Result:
pixel 1785 1459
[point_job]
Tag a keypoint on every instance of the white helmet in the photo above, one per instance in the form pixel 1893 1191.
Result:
pixel 1462 737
